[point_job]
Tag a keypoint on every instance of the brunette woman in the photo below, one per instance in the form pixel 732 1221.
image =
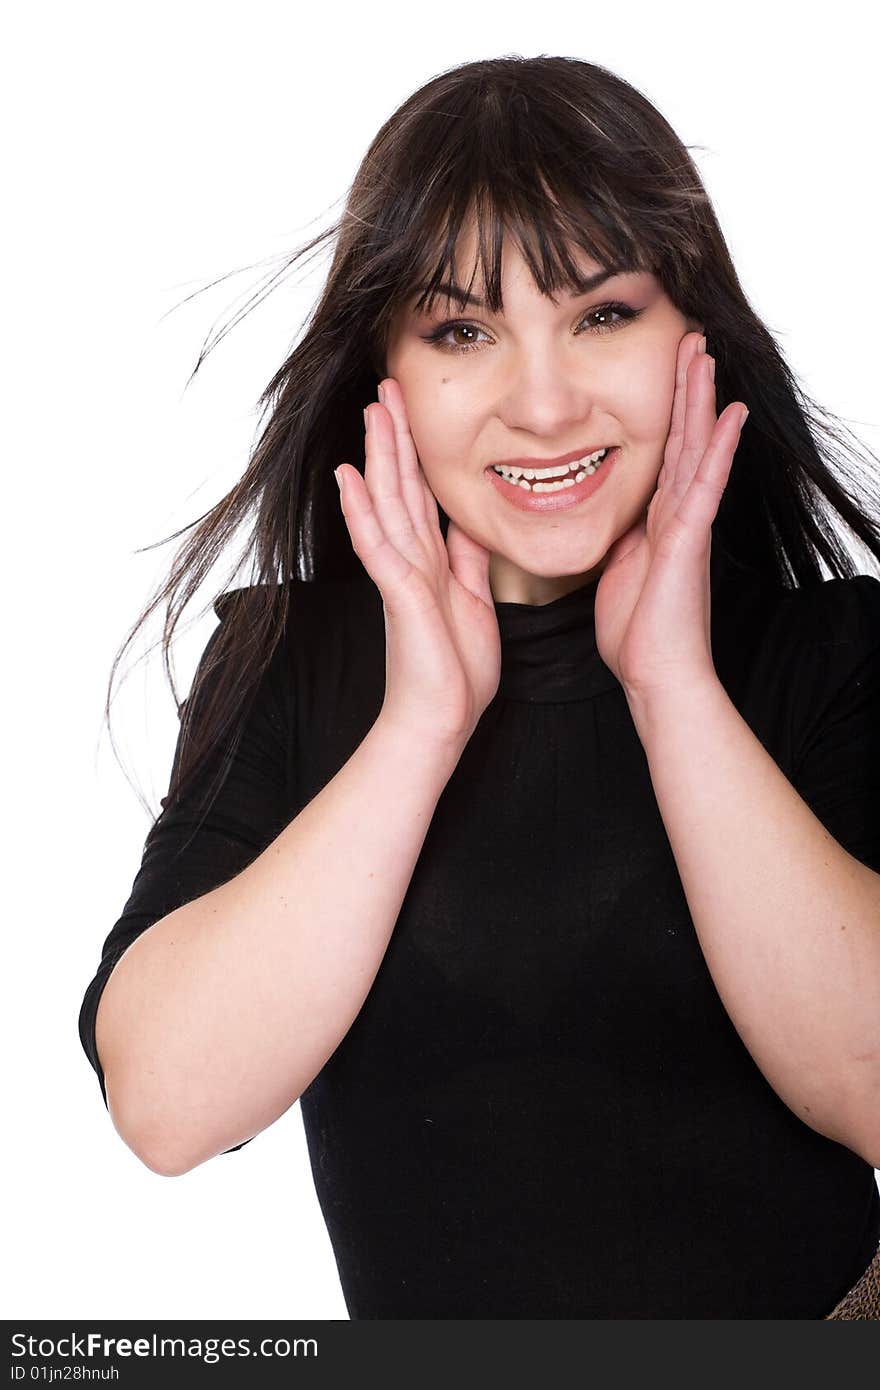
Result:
pixel 524 821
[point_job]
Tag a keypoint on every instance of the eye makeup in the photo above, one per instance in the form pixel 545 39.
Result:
pixel 624 312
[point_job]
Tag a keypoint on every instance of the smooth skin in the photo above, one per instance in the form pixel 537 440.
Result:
pixel 785 916
pixel 653 599
pixel 443 648
pixel 193 1028
pixel 646 533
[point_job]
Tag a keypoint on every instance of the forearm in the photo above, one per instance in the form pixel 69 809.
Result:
pixel 788 920
pixel 217 1017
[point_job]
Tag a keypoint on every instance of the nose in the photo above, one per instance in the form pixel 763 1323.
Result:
pixel 547 397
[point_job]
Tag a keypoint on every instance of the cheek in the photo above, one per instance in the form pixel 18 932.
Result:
pixel 650 391
pixel 440 429
pixel 427 438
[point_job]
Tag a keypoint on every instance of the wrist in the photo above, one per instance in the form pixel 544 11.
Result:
pixel 654 707
pixel 426 747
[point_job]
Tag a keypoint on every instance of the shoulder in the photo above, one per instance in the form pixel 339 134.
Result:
pixel 833 662
pixel 793 659
pixel 331 645
pixel 314 605
pixel 845 610
pixel 304 593
pixel 832 621
pixel 827 618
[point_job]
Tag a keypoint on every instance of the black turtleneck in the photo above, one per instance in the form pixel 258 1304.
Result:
pixel 548 651
pixel 543 1109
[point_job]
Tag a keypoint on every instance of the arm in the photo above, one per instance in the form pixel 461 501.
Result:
pixel 213 1018
pixel 219 1015
pixel 788 920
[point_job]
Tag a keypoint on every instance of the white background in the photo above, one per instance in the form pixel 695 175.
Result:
pixel 148 152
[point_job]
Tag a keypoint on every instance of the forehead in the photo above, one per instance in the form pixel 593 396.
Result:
pixel 467 261
pixel 472 294
pixel 473 272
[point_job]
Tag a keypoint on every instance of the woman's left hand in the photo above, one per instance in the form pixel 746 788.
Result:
pixel 652 600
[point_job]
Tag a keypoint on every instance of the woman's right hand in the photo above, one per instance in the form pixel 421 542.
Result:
pixel 442 644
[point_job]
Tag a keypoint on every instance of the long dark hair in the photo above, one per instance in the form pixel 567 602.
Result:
pixel 552 151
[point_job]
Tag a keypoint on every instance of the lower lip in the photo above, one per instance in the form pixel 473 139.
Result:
pixel 560 501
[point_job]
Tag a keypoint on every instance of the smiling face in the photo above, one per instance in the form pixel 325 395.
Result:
pixel 538 382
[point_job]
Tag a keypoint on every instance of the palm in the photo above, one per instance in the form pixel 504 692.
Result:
pixel 652 600
pixel 473 627
pixel 455 649
pixel 443 648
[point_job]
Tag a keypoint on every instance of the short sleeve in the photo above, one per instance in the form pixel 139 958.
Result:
pixel 837 749
pixel 187 852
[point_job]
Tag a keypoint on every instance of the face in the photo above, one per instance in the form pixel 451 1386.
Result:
pixel 539 382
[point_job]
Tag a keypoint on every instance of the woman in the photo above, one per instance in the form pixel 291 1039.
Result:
pixel 527 830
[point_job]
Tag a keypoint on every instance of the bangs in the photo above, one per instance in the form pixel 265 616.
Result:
pixel 547 226
pixel 576 194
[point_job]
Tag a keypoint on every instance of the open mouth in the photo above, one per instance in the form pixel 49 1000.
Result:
pixel 556 479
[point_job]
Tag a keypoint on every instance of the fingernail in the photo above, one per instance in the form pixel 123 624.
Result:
pixel 743 417
pixel 338 479
pixel 366 420
pixel 701 345
pixel 382 395
pixel 712 368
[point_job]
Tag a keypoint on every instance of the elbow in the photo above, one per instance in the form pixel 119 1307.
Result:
pixel 162 1161
pixel 870 1152
pixel 148 1141
pixel 862 1130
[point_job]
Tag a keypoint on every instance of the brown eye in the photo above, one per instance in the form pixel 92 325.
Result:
pixel 445 329
pixel 605 312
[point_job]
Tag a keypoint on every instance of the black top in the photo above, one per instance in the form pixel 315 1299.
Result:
pixel 543 1109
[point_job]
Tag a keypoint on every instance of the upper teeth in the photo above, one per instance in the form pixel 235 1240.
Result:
pixel 560 471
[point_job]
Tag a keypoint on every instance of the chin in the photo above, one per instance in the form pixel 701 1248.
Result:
pixel 559 566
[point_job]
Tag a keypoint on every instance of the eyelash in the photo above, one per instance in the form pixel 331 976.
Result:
pixel 626 313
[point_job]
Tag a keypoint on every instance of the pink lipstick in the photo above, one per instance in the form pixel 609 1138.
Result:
pixel 571 494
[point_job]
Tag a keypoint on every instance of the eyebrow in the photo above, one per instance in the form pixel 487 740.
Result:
pixel 592 282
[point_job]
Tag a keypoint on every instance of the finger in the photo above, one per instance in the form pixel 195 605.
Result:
pixel 469 562
pixel 412 487
pixel 384 563
pixel 625 544
pixel 699 505
pixel 382 475
pixel 699 421
pixel 687 351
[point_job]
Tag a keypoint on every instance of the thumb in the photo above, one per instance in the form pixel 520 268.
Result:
pixel 625 544
pixel 469 562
